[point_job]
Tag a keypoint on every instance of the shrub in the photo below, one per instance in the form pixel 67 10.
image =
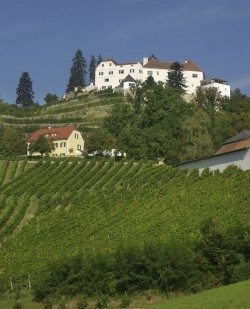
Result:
pixel 102 303
pixel 125 302
pixel 17 305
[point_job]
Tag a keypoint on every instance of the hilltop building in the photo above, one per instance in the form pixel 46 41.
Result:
pixel 67 140
pixel 111 74
pixel 235 151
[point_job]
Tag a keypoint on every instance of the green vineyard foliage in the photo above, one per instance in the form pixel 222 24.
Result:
pixel 57 208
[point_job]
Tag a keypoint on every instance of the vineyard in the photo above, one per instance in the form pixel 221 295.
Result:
pixel 88 110
pixel 59 207
pixel 11 169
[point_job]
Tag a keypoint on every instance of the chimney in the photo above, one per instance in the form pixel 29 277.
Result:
pixel 145 60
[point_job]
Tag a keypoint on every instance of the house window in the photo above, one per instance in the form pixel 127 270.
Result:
pixel 62 144
pixel 62 154
pixel 157 73
pixel 100 73
pixel 195 75
pixel 110 87
pixel 76 136
pixel 111 72
pixel 131 84
pixel 140 71
pixel 79 147
pixel 104 87
pixel 110 64
pixel 106 80
pixel 132 70
pixel 56 145
pixel 121 71
pixel 150 73
pixel 102 64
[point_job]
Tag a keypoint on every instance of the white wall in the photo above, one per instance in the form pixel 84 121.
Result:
pixel 138 72
pixel 240 158
pixel 114 80
pixel 223 89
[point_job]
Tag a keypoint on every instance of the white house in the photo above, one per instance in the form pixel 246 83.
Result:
pixel 235 151
pixel 110 74
pixel 219 84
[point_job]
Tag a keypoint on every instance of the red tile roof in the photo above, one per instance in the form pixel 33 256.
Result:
pixel 234 146
pixel 52 133
pixel 188 65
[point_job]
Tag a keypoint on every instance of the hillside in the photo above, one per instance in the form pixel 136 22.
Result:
pixel 87 110
pixel 61 207
pixel 11 169
pixel 227 297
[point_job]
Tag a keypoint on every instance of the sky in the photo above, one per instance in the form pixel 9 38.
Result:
pixel 41 37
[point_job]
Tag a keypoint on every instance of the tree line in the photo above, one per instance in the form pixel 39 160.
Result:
pixel 78 79
pixel 157 122
pixel 219 257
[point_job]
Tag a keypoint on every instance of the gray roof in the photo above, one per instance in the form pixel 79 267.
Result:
pixel 245 134
pixel 128 78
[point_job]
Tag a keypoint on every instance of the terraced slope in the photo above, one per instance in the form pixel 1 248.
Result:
pixel 59 208
pixel 89 109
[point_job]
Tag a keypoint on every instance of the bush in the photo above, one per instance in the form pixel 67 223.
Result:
pixel 125 302
pixel 17 305
pixel 102 303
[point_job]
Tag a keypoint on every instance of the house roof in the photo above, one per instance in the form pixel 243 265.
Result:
pixel 238 141
pixel 128 78
pixel 115 62
pixel 52 133
pixel 245 134
pixel 214 156
pixel 188 65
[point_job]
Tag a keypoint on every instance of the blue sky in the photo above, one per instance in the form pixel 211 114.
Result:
pixel 41 37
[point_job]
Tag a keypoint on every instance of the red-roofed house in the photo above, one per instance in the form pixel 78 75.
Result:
pixel 67 140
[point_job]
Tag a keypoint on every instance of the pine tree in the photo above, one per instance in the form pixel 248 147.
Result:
pixel 78 72
pixel 175 77
pixel 99 59
pixel 24 91
pixel 92 67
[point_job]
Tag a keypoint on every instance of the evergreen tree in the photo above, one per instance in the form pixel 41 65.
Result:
pixel 175 77
pixel 25 94
pixel 153 57
pixel 99 59
pixel 77 72
pixel 92 67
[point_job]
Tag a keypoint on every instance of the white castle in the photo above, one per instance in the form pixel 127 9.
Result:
pixel 110 74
